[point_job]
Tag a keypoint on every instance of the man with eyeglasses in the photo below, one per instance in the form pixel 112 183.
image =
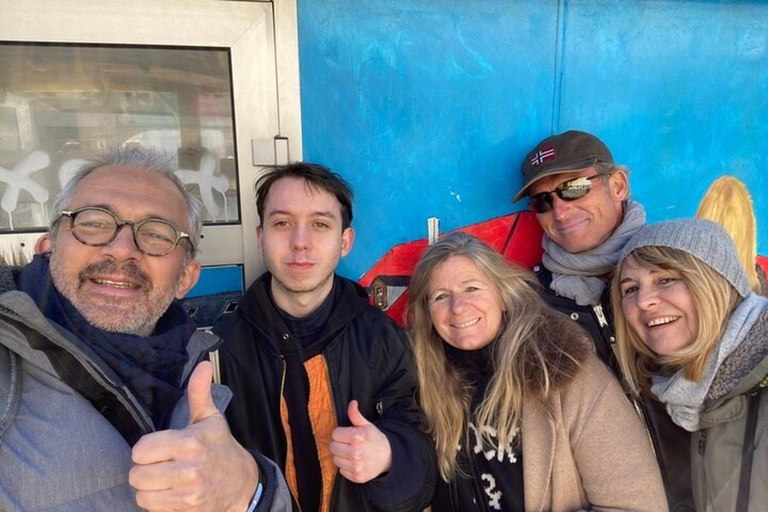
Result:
pixel 581 199
pixel 104 401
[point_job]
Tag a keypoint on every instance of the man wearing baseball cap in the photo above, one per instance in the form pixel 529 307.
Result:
pixel 581 199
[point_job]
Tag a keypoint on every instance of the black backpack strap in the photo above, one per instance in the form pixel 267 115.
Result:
pixel 10 387
pixel 748 448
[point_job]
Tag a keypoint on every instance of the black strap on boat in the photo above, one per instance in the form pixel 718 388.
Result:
pixel 748 452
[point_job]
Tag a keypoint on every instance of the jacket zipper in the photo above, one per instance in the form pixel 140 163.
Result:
pixel 644 420
pixel 641 414
pixel 285 462
pixel 600 315
pixel 702 442
pixel 336 421
pixel 598 309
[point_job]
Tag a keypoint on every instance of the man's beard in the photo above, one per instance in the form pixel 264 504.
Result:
pixel 115 314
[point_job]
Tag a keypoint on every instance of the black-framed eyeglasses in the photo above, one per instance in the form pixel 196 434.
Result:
pixel 96 226
pixel 570 190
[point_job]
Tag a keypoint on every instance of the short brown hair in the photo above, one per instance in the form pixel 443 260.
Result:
pixel 315 176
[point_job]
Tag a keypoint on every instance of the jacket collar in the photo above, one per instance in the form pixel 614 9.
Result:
pixel 739 373
pixel 25 310
pixel 19 310
pixel 259 309
pixel 563 354
pixel 741 379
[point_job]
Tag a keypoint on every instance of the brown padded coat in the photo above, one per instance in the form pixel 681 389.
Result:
pixel 584 447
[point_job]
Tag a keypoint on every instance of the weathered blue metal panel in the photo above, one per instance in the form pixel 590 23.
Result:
pixel 428 106
pixel 425 106
pixel 679 92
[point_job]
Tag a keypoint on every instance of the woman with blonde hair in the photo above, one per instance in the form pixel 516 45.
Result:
pixel 523 414
pixel 692 334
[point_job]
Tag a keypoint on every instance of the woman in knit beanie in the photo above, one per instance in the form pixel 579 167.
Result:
pixel 692 334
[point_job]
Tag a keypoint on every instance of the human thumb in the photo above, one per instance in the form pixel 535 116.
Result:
pixel 199 393
pixel 355 416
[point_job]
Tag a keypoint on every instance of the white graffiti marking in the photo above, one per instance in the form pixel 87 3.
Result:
pixel 18 179
pixel 207 182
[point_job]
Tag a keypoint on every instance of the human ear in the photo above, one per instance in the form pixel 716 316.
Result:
pixel 43 244
pixel 347 239
pixel 189 277
pixel 619 185
pixel 259 233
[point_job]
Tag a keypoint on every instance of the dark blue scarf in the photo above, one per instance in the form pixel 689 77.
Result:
pixel 151 366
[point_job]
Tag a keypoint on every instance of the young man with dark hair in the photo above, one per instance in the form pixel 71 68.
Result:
pixel 324 383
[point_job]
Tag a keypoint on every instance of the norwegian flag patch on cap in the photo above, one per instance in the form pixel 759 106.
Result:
pixel 542 155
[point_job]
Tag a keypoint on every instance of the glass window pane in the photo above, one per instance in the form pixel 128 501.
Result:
pixel 61 103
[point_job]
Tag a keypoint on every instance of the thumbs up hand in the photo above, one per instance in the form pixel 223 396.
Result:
pixel 199 394
pixel 200 467
pixel 361 452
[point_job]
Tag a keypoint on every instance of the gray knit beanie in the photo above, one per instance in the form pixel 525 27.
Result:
pixel 704 239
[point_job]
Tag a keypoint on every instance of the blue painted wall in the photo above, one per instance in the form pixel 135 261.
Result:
pixel 428 106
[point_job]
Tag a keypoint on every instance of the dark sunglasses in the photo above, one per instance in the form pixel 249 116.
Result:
pixel 570 190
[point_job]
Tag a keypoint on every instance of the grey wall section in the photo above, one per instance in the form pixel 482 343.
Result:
pixel 428 106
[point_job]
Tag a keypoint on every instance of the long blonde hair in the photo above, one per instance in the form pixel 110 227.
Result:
pixel 713 297
pixel 519 352
pixel 728 203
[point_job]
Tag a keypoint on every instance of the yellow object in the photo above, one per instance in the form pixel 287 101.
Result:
pixel 728 203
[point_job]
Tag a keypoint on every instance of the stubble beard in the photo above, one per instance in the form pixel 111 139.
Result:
pixel 114 314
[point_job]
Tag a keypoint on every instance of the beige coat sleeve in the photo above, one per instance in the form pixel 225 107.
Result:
pixel 610 445
pixel 587 449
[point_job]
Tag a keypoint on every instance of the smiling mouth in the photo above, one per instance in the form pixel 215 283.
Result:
pixel 127 276
pixel 571 226
pixel 662 321
pixel 465 324
pixel 115 284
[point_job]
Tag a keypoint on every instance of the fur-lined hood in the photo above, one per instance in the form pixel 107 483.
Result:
pixel 563 346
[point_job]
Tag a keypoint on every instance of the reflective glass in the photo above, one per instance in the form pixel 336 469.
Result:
pixel 61 103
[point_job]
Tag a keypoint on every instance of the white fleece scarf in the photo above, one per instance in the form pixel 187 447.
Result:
pixel 576 275
pixel 684 399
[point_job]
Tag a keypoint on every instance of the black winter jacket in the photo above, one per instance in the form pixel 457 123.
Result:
pixel 670 442
pixel 367 358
